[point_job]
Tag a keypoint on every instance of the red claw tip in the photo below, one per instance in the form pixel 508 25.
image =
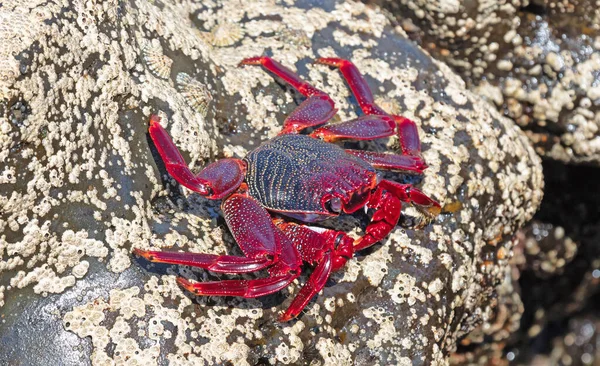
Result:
pixel 186 284
pixel 154 119
pixel 142 253
pixel 251 61
pixel 285 317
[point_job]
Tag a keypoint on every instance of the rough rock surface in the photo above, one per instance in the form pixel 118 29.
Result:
pixel 544 249
pixel 485 345
pixel 538 61
pixel 551 302
pixel 80 186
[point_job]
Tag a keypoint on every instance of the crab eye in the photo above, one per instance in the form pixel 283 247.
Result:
pixel 334 205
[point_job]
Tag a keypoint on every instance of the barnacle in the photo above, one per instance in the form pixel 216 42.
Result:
pixel 195 93
pixel 226 34
pixel 158 64
pixel 388 104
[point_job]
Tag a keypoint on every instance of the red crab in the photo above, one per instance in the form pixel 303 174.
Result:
pixel 303 177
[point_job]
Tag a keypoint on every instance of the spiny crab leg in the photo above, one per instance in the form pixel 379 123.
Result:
pixel 313 285
pixel 174 162
pixel 357 84
pixel 314 111
pixel 404 163
pixel 244 288
pixel 261 241
pixel 406 128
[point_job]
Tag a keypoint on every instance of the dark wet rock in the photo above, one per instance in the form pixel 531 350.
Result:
pixel 580 345
pixel 81 185
pixel 537 61
pixel 544 249
pixel 551 301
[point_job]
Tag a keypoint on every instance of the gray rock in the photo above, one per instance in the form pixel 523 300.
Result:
pixel 537 61
pixel 80 186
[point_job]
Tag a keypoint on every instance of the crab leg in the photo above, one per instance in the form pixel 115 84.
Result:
pixel 243 288
pixel 406 128
pixel 357 83
pixel 315 283
pixel 215 181
pixel 329 248
pixel 258 237
pixel 261 241
pixel 405 163
pixel 255 233
pixel 314 111
pixel 211 262
pixel 361 128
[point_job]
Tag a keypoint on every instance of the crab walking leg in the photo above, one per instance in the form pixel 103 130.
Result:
pixel 404 163
pixel 330 249
pixel 176 166
pixel 314 111
pixel 215 181
pixel 258 237
pixel 263 243
pixel 410 143
pixel 362 128
pixel 243 288
pixel 315 283
pixel 211 262
pixel 406 128
pixel 357 84
pixel 407 193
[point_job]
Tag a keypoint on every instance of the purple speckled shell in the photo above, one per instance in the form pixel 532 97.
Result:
pixel 292 173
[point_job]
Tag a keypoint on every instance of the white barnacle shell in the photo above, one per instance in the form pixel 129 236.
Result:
pixel 158 64
pixel 388 104
pixel 226 34
pixel 195 93
pixel 295 37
